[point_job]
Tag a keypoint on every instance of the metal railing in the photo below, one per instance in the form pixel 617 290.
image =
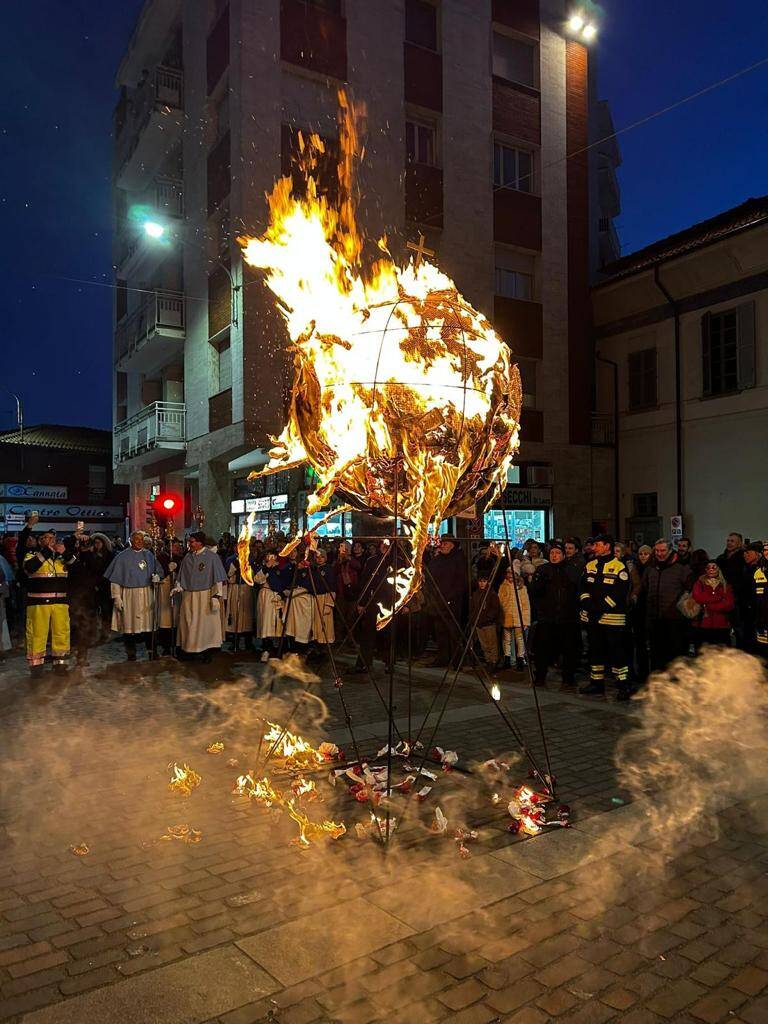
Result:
pixel 603 429
pixel 159 424
pixel 163 88
pixel 160 311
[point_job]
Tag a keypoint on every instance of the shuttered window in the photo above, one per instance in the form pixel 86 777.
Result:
pixel 642 374
pixel 728 350
pixel 421 23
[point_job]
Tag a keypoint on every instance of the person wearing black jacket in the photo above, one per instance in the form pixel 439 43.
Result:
pixel 447 572
pixel 374 590
pixel 554 592
pixel 760 585
pixel 603 609
pixel 664 583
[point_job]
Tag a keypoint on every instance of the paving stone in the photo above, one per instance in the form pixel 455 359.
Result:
pixel 711 973
pixel 619 998
pixel 39 963
pixel 195 989
pixel 717 1005
pixel 458 996
pixel 22 950
pixel 300 949
pixel 674 998
pixel 557 853
pixel 465 966
pixel 512 998
pixel 557 1002
pixel 751 981
pixel 475 883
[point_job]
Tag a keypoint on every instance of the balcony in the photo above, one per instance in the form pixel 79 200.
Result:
pixel 159 428
pixel 153 127
pixel 162 201
pixel 603 430
pixel 152 336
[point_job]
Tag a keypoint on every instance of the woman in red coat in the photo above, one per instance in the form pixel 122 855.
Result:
pixel 716 599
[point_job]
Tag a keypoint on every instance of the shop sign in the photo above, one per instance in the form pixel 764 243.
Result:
pixel 257 504
pixel 676 527
pixel 527 497
pixel 237 507
pixel 279 502
pixel 45 511
pixel 32 491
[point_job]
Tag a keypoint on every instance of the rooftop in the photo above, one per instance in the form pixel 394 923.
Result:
pixel 747 215
pixel 87 440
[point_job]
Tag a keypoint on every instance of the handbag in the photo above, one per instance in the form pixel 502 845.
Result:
pixel 688 607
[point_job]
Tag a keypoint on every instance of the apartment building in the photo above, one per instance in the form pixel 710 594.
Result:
pixel 681 327
pixel 472 109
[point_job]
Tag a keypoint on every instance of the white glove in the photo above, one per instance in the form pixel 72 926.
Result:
pixel 155 577
pixel 176 589
pixel 118 602
pixel 171 567
pixel 215 602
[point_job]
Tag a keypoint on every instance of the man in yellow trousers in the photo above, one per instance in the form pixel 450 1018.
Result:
pixel 47 570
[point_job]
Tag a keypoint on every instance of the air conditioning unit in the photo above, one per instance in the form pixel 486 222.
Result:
pixel 539 476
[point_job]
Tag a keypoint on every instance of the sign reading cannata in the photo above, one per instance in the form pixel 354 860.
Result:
pixel 21 491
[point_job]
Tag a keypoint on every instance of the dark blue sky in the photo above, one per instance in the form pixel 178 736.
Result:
pixel 56 83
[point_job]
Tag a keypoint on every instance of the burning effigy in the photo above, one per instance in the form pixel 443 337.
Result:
pixel 404 400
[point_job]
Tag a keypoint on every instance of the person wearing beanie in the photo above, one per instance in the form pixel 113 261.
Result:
pixel 554 592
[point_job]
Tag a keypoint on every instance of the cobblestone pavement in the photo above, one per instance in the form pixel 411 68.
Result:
pixel 571 925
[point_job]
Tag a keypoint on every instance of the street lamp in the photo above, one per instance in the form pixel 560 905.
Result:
pixel 153 229
pixel 579 25
pixel 20 422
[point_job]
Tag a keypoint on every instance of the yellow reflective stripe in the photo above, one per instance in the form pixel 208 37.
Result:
pixel 610 601
pixel 583 597
pixel 613 619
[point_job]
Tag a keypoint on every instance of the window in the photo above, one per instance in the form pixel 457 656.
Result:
pixel 222 115
pixel 420 143
pixel 527 368
pixel 512 167
pixel 728 349
pixel 224 364
pixel 514 60
pixel 513 284
pixel 521 524
pixel 97 483
pixel 645 506
pixel 641 368
pixel 421 23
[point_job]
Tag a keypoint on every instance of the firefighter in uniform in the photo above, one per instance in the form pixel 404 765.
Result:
pixel 603 600
pixel 46 570
pixel 760 584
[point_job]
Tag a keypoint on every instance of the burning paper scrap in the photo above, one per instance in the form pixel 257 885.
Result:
pixel 496 692
pixel 263 792
pixel 423 793
pixel 182 833
pixel 293 753
pixel 532 812
pixel 183 779
pixel 81 850
pixel 448 758
pixel 214 748
pixel 439 822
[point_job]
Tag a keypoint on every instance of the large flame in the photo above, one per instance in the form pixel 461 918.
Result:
pixel 404 400
pixel 263 792
pixel 244 549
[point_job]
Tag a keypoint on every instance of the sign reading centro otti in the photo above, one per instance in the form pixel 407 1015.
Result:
pixel 32 491
pixel 45 511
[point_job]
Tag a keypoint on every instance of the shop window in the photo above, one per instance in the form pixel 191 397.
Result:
pixel 522 524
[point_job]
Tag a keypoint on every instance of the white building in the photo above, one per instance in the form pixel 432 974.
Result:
pixel 472 107
pixel 686 322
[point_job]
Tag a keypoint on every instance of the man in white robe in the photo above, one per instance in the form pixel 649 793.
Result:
pixel 133 575
pixel 200 582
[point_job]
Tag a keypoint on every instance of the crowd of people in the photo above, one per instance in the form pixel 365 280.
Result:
pixel 620 610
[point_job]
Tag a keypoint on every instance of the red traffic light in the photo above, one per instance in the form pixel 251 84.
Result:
pixel 168 504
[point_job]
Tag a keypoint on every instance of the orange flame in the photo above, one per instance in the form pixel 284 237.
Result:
pixel 404 400
pixel 265 793
pixel 183 779
pixel 244 549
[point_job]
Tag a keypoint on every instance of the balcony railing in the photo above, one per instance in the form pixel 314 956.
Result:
pixel 161 93
pixel 603 430
pixel 161 425
pixel 160 313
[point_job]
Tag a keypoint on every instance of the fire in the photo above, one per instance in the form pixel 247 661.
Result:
pixel 265 793
pixel 404 401
pixel 293 751
pixel 183 779
pixel 244 549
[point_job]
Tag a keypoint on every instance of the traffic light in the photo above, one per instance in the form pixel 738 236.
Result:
pixel 166 504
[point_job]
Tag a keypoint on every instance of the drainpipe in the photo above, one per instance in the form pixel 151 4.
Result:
pixel 678 390
pixel 616 490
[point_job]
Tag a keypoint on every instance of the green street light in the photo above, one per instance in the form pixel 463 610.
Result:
pixel 153 229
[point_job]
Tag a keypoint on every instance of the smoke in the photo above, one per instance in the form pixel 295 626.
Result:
pixel 698 746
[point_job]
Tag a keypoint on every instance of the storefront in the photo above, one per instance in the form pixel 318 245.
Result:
pixel 55 511
pixel 270 515
pixel 528 513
